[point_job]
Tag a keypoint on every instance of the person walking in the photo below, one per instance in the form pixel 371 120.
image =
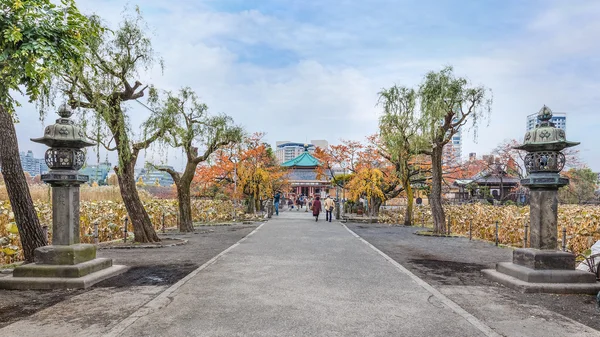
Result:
pixel 329 205
pixel 276 199
pixel 308 203
pixel 316 208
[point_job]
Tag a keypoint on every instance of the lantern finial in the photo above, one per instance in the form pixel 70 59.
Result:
pixel 65 111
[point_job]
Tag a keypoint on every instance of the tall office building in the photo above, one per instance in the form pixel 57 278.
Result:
pixel 452 152
pixel 287 150
pixel 558 118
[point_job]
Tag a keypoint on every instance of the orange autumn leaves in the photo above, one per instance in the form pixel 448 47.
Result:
pixel 367 172
pixel 247 171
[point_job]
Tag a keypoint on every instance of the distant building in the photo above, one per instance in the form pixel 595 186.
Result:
pixel 151 176
pixel 31 165
pixel 558 118
pixel 97 173
pixel 287 150
pixel 452 152
pixel 303 177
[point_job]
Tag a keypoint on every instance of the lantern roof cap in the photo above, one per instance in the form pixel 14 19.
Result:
pixel 64 133
pixel 545 136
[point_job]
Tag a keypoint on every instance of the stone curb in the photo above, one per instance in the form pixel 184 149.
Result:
pixel 422 233
pixel 181 243
pixel 485 329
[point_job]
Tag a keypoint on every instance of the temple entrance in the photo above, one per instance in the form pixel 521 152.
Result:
pixel 304 190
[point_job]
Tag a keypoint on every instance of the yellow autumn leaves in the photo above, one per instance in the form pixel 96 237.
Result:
pixel 366 182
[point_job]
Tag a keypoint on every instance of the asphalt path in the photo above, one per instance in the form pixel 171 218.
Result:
pixel 297 277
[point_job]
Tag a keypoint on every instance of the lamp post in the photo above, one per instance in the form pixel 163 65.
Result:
pixel 66 263
pixel 543 268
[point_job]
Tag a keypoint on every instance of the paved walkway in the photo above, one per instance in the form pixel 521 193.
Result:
pixel 298 277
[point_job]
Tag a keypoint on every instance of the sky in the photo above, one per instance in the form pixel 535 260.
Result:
pixel 311 69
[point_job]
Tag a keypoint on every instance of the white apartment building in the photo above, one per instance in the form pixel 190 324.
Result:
pixel 558 118
pixel 287 150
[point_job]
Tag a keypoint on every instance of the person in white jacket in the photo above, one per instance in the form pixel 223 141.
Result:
pixel 329 205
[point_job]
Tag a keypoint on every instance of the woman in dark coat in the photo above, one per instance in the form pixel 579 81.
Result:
pixel 316 208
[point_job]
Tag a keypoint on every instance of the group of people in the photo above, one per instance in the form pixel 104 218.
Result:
pixel 313 204
pixel 328 205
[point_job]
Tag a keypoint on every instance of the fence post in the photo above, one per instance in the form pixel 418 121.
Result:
pixel 526 235
pixel 496 233
pixel 96 232
pixel 564 239
pixel 470 229
pixel 163 222
pixel 125 230
pixel 422 220
pixel 449 225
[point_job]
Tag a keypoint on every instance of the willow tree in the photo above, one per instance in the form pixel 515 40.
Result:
pixel 102 88
pixel 447 103
pixel 190 128
pixel 400 137
pixel 38 39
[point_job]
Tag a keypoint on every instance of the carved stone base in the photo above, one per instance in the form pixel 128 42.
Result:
pixel 26 283
pixel 534 270
pixel 68 271
pixel 59 267
pixel 65 255
pixel 553 288
pixel 543 259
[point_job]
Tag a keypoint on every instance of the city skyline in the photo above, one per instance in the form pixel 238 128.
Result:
pixel 309 72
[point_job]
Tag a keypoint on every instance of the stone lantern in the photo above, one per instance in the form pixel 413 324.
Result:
pixel 66 263
pixel 542 268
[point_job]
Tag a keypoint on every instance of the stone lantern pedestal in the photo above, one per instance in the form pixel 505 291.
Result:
pixel 66 263
pixel 542 268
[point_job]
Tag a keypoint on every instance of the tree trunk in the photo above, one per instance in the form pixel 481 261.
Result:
pixel 376 204
pixel 142 225
pixel 435 197
pixel 185 207
pixel 251 208
pixel 30 231
pixel 408 218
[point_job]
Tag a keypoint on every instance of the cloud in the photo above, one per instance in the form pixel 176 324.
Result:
pixel 312 69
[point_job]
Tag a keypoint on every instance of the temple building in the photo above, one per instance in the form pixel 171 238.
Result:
pixel 303 176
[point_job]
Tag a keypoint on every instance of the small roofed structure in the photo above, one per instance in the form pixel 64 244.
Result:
pixel 303 175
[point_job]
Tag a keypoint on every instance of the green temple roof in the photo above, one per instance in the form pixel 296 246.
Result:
pixel 303 160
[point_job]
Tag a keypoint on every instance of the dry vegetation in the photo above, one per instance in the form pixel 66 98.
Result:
pixel 582 223
pixel 104 204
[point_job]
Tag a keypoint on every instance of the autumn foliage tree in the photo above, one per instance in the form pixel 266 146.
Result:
pixel 247 171
pixel 355 157
pixel 367 183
